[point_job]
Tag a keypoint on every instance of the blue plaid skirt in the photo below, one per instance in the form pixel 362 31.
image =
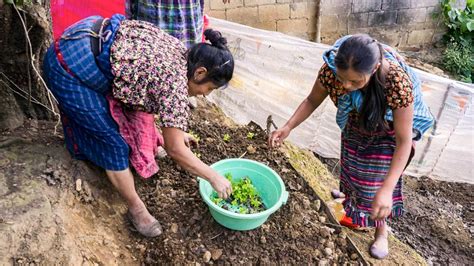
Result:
pixel 80 81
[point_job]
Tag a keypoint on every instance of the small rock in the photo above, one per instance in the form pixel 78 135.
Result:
pixel 57 174
pixel 330 245
pixel 161 153
pixel 317 253
pixel 207 256
pixel 316 205
pixel 343 235
pixel 354 256
pixel 328 251
pixel 78 185
pixel 266 227
pixel 322 219
pixel 429 261
pixel 209 140
pixel 174 228
pixel 165 182
pixel 141 248
pixel 251 149
pixel 323 262
pixel 263 240
pixel 325 232
pixel 306 203
pixel 192 102
pixel 216 254
pixel 341 242
pixel 173 193
pixel 285 170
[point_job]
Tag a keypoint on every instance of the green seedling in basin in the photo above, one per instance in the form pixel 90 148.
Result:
pixel 226 137
pixel 250 135
pixel 195 136
pixel 244 199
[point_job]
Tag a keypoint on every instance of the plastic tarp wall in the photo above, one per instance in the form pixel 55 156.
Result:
pixel 67 12
pixel 275 72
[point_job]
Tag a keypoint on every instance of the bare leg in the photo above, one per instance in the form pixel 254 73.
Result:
pixel 142 219
pixel 379 248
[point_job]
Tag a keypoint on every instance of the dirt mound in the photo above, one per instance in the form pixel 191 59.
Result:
pixel 296 233
pixel 439 218
pixel 43 218
pixel 47 216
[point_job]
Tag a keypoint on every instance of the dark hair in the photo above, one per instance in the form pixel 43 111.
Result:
pixel 215 57
pixel 362 53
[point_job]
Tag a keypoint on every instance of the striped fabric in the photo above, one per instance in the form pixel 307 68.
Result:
pixel 422 117
pixel 90 131
pixel 181 19
pixel 365 162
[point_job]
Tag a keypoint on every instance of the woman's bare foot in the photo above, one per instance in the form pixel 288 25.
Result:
pixel 379 248
pixel 336 194
pixel 143 221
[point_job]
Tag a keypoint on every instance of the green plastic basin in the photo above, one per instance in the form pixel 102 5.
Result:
pixel 267 182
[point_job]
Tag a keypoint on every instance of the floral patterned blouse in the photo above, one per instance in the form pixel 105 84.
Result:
pixel 398 86
pixel 149 68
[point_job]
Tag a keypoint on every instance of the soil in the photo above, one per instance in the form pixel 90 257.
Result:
pixel 293 234
pixel 57 210
pixel 47 218
pixel 439 222
pixel 439 218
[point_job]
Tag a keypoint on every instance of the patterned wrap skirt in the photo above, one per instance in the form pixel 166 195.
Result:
pixel 365 162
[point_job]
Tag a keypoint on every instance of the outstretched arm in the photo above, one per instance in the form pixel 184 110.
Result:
pixel 176 148
pixel 305 109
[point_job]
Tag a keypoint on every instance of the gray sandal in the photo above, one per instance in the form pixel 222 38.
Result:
pixel 154 229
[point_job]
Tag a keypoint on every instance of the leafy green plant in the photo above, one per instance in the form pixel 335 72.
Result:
pixel 195 136
pixel 459 54
pixel 226 137
pixel 250 135
pixel 459 59
pixel 460 22
pixel 244 198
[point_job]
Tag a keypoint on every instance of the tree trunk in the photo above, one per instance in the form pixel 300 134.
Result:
pixel 22 94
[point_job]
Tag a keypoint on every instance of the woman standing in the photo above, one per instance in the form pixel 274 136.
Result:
pixel 381 112
pixel 181 19
pixel 148 71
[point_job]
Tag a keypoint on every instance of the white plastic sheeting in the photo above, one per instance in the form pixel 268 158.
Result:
pixel 275 72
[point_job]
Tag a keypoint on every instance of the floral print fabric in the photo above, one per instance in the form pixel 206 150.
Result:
pixel 149 68
pixel 398 86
